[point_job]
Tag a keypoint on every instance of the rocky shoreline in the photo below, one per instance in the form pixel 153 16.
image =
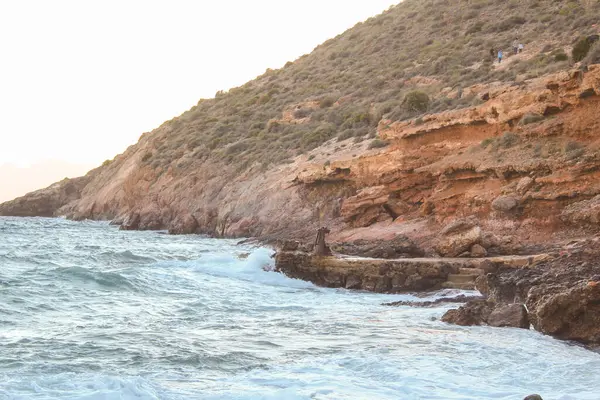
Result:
pixel 556 293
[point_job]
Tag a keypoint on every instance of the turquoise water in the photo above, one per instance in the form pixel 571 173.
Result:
pixel 91 312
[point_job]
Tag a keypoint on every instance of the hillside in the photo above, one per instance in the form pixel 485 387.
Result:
pixel 397 126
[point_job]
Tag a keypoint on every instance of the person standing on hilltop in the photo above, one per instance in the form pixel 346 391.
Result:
pixel 500 54
pixel 492 53
pixel 515 46
pixel 521 47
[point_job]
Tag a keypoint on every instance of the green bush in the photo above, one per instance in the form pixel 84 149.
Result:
pixel 561 56
pixel 377 144
pixel 580 50
pixel 507 140
pixel 593 56
pixel 531 118
pixel 416 101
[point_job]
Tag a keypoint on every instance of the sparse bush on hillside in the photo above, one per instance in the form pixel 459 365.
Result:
pixel 416 101
pixel 531 118
pixel 410 52
pixel 378 143
pixel 593 56
pixel 580 50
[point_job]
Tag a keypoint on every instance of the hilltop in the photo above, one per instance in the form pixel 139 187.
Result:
pixel 397 126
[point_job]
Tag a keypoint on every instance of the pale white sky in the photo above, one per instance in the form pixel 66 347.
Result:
pixel 81 80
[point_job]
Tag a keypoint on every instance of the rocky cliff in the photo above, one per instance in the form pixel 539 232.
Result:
pixel 524 163
pixel 334 139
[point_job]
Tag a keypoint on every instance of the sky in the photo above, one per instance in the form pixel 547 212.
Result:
pixel 82 80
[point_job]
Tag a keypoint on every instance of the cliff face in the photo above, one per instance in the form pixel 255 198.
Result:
pixel 398 126
pixel 521 162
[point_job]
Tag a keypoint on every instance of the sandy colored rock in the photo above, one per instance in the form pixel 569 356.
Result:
pixel 505 203
pixel 478 251
pixel 511 315
pixel 524 185
pixel 569 313
pixel 456 243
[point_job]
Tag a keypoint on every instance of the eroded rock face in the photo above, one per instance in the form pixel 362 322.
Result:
pixel 561 292
pixel 511 315
pixel 583 212
pixel 377 275
pixel 399 247
pixel 569 313
pixel 473 313
pixel 46 202
pixel 505 203
pixel 484 312
pixel 458 238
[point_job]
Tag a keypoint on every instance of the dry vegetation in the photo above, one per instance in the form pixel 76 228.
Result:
pixel 394 65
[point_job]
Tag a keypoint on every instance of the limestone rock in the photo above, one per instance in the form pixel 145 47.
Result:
pixel 505 203
pixel 455 241
pixel 183 225
pixel 473 313
pixel 512 315
pixel 524 185
pixel 569 313
pixel 478 251
pixel 399 247
pixel 582 212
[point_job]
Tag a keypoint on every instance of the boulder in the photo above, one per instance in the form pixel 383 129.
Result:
pixel 533 397
pixel 399 247
pixel 478 251
pixel 288 245
pixel 131 222
pixel 473 313
pixel 583 212
pixel 455 241
pixel 524 185
pixel 485 312
pixel 567 312
pixel 183 225
pixel 505 203
pixel 511 315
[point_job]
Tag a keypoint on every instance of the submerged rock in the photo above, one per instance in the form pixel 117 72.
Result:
pixel 484 312
pixel 473 313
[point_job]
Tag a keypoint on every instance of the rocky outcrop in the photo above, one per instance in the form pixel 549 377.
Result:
pixel 399 247
pixel 568 313
pixel 459 237
pixel 390 275
pixel 377 275
pixel 46 202
pixel 484 312
pixel 561 293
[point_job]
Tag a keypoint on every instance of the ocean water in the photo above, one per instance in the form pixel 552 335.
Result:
pixel 91 312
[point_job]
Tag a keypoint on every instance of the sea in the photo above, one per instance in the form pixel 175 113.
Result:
pixel 89 312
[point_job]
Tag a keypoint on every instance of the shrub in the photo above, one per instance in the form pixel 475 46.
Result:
pixel 580 50
pixel 593 56
pixel 560 56
pixel 326 102
pixel 507 140
pixel 377 144
pixel 416 101
pixel 573 150
pixel 486 142
pixel 146 156
pixel 531 118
